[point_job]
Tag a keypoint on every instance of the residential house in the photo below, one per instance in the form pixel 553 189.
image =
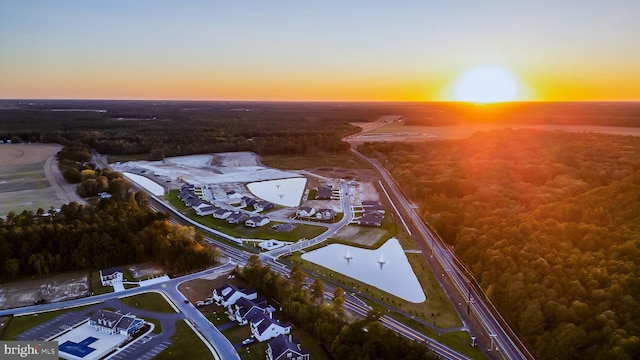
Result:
pixel 221 213
pixel 263 205
pixel 110 276
pixel 264 328
pixel 371 219
pixel 227 295
pixel 257 221
pixel 324 192
pixel 370 206
pixel 194 202
pixel 244 309
pixel 326 214
pixel 206 210
pixel 282 347
pixel 247 201
pixel 114 323
pixel 237 218
pixel 305 211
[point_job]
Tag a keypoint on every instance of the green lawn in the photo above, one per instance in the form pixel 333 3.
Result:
pixel 151 301
pixel 96 285
pixel 185 345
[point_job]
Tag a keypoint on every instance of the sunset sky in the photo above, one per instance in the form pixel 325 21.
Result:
pixel 316 50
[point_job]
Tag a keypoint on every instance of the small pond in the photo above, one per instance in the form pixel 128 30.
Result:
pixel 386 268
pixel 285 192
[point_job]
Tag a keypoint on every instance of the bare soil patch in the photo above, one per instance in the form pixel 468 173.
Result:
pixel 202 288
pixel 26 182
pixel 54 288
pixel 145 270
pixel 366 236
pixel 21 154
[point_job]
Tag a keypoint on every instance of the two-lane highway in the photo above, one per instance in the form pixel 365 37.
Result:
pixel 501 340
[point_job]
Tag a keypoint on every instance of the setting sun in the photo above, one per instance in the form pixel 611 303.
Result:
pixel 486 84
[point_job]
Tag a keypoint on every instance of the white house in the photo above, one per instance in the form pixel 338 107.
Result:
pixel 305 211
pixel 110 276
pixel 263 205
pixel 256 221
pixel 227 295
pixel 326 214
pixel 206 210
pixel 244 309
pixel 114 323
pixel 283 348
pixel 221 213
pixel 237 218
pixel 264 328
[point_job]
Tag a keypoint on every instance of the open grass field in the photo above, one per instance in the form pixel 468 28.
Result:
pixel 150 301
pixel 399 132
pixel 23 181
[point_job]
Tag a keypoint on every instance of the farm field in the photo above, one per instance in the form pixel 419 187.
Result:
pixel 24 184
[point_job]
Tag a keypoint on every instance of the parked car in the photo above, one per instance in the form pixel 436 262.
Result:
pixel 40 301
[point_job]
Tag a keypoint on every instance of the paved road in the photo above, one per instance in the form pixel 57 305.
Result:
pixel 224 348
pixel 460 289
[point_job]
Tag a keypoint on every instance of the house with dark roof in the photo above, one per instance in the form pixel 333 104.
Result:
pixel 115 323
pixel 263 205
pixel 371 219
pixel 206 210
pixel 326 214
pixel 264 327
pixel 237 218
pixel 282 347
pixel 221 213
pixel 244 309
pixel 369 206
pixel 193 202
pixel 227 294
pixel 257 221
pixel 324 192
pixel 305 211
pixel 247 201
pixel 110 276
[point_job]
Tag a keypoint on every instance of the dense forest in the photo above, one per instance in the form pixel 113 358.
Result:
pixel 549 224
pixel 361 339
pixel 155 129
pixel 118 231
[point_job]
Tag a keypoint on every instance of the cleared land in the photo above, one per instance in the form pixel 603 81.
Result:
pixel 397 131
pixel 54 288
pixel 30 179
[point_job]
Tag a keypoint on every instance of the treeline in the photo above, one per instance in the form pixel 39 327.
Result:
pixel 362 339
pixel 115 232
pixel 159 131
pixel 549 224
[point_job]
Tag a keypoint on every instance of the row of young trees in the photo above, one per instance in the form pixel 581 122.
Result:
pixel 548 222
pixel 362 339
pixel 115 232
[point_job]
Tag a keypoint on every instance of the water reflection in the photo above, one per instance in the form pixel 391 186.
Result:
pixel 285 192
pixel 390 272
